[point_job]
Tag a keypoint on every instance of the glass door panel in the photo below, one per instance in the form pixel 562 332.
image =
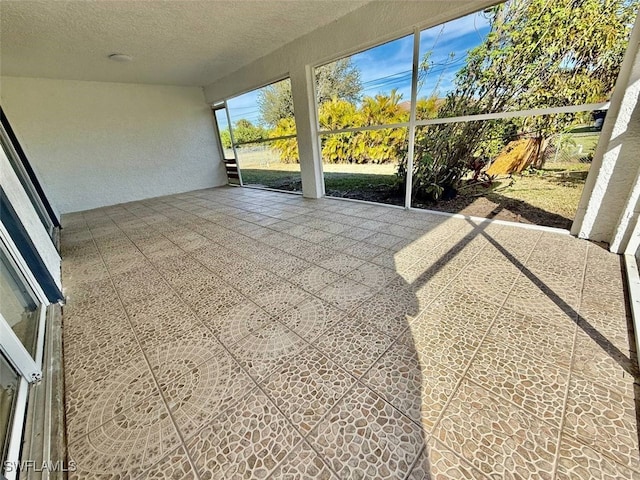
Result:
pixel 9 383
pixel 226 144
pixel 18 307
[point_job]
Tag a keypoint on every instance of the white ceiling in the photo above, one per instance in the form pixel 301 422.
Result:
pixel 172 42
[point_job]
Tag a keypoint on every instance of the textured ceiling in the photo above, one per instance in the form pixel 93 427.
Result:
pixel 172 42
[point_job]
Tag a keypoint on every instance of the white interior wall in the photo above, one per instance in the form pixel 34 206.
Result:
pixel 94 144
pixel 365 27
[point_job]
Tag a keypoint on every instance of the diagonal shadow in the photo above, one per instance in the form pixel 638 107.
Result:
pixel 614 352
pixel 626 362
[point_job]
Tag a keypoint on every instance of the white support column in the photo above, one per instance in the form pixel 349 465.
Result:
pixel 303 92
pixel 608 196
pixel 412 119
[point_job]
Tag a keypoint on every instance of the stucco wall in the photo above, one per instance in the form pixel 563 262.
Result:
pixel 94 144
pixel 609 200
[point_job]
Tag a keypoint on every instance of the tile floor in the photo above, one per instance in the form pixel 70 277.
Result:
pixel 237 333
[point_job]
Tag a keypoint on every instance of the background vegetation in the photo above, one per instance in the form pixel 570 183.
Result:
pixel 537 54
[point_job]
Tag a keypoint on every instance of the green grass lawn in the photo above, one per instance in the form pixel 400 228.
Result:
pixel 340 180
pixel 555 189
pixel 548 196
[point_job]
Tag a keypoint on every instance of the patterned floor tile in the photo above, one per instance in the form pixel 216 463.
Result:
pixel 530 382
pixel 353 346
pixel 345 293
pixel 302 462
pixel 210 308
pixel 399 300
pixel 314 253
pixel 415 384
pixel 247 441
pixel 248 278
pixel 126 445
pixel 175 466
pixel 601 362
pixel 550 339
pixel 106 389
pixel 384 240
pixel 496 437
pixel 311 318
pixel 240 321
pixel 451 332
pixel 307 387
pixel 439 463
pixel 341 264
pixel 365 437
pixel 87 337
pixel 287 266
pixel 611 325
pixel 600 417
pixel 340 243
pixel 280 297
pixel 389 310
pixel 372 275
pixel 578 462
pixel 535 296
pixel 262 350
pixel 205 390
pixel 315 278
pixel 364 251
pixel 489 280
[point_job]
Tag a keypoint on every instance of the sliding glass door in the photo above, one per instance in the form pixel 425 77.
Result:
pixel 22 318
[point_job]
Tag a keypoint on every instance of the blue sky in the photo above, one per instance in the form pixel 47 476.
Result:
pixel 388 66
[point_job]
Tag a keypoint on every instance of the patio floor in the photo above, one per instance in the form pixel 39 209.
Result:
pixel 238 333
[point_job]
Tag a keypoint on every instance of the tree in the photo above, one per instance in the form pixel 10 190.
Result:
pixel 276 103
pixel 340 79
pixel 537 54
pixel 287 148
pixel 244 131
pixel 367 146
pixel 225 138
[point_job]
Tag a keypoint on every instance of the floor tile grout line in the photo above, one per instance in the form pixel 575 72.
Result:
pixel 420 313
pixel 413 465
pixel 556 459
pixel 319 244
pixel 314 294
pixel 463 376
pixel 239 254
pixel 151 373
pixel 464 460
pixel 445 289
pixel 257 384
pixel 268 313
